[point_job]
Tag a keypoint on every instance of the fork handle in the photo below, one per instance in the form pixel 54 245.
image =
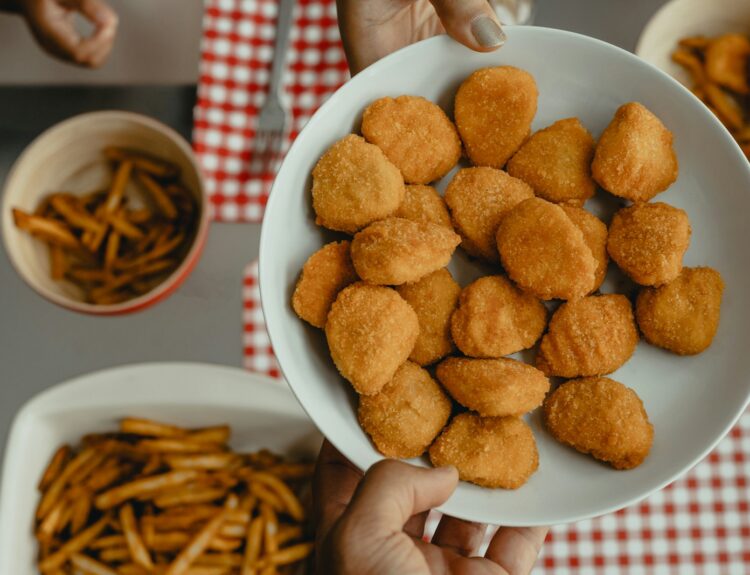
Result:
pixel 283 28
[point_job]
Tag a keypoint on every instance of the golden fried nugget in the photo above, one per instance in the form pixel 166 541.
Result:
pixel 354 184
pixel 493 387
pixel 395 250
pixel 488 451
pixel 556 162
pixel 415 134
pixel 494 318
pixel 683 315
pixel 406 415
pixel 494 109
pixel 728 62
pixel 595 235
pixel 544 252
pixel 600 416
pixel 433 298
pixel 424 204
pixel 478 199
pixel 324 275
pixel 648 241
pixel 371 331
pixel 594 335
pixel 634 158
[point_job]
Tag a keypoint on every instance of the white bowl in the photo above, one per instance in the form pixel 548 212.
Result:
pixel 262 413
pixel 692 401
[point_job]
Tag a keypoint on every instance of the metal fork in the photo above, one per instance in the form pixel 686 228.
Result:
pixel 272 120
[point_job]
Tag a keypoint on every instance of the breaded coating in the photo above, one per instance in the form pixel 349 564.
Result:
pixel 494 318
pixel 544 252
pixel 595 235
pixel 406 415
pixel 648 242
pixel 324 275
pixel 433 298
pixel 683 315
pixel 478 199
pixel 415 134
pixel 494 109
pixel 395 250
pixel 354 184
pixel 489 451
pixel 371 331
pixel 424 204
pixel 634 158
pixel 556 162
pixel 594 335
pixel 493 387
pixel 600 416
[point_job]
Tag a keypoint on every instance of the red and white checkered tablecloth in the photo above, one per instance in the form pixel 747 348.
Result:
pixel 236 57
pixel 700 524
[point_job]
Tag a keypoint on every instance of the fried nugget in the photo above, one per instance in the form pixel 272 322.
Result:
pixel 648 242
pixel 324 275
pixel 406 415
pixel 600 416
pixel 634 158
pixel 489 451
pixel 683 315
pixel 433 298
pixel 595 235
pixel 424 204
pixel 478 199
pixel 371 331
pixel 544 252
pixel 728 62
pixel 494 318
pixel 594 335
pixel 556 162
pixel 354 184
pixel 494 109
pixel 415 134
pixel 493 387
pixel 395 250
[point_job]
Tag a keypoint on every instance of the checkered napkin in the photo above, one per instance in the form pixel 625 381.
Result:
pixel 236 57
pixel 700 524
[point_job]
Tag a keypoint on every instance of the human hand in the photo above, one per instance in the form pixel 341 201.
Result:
pixel 373 29
pixel 374 525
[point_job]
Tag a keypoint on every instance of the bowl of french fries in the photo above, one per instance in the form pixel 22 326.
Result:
pixel 105 213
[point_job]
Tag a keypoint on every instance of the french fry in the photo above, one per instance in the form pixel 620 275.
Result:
pixel 289 500
pixel 208 461
pixel 80 510
pixel 76 217
pixel 55 467
pixel 726 107
pixel 176 445
pixel 265 495
pixel 695 42
pixel 289 555
pixel 47 229
pixel 229 560
pixel 253 545
pixel 58 262
pixel 117 190
pixel 692 64
pixel 50 525
pixel 90 566
pixel 89 275
pixel 152 465
pixel 233 530
pixel 145 163
pixel 80 541
pixel 55 490
pixel 119 222
pixel 150 428
pixel 197 545
pixel 289 533
pixel 108 541
pixel 157 193
pixel 292 470
pixel 111 251
pixel 137 549
pixel 189 495
pixel 219 434
pixel 138 487
pixel 115 554
pixel 83 472
pixel 270 528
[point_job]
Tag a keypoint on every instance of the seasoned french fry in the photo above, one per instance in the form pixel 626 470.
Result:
pixel 137 549
pixel 150 428
pixel 90 566
pixel 160 197
pixel 80 541
pixel 55 467
pixel 138 487
pixel 287 497
pixel 209 461
pixel 143 162
pixel 47 229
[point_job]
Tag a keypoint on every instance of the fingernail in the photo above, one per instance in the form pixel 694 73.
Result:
pixel 487 32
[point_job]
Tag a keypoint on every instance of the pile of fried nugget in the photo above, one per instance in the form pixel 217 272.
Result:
pixel 427 356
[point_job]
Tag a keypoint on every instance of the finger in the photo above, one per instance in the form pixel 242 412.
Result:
pixel 333 486
pixel 471 22
pixel 446 561
pixel 415 526
pixel 93 51
pixel 516 549
pixel 461 536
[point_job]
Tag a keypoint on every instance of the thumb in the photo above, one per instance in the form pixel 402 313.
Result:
pixel 471 22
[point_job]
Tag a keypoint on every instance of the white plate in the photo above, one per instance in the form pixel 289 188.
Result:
pixel 692 402
pixel 262 413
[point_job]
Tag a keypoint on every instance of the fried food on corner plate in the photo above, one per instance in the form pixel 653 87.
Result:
pixel 415 134
pixel 494 109
pixel 324 275
pixel 394 251
pixel 406 415
pixel 433 298
pixel 478 199
pixel 493 387
pixel 488 451
pixel 556 162
pixel 635 158
pixel 648 242
pixel 595 235
pixel 424 204
pixel 354 184
pixel 544 252
pixel 602 417
pixel 683 315
pixel 494 318
pixel 371 331
pixel 727 61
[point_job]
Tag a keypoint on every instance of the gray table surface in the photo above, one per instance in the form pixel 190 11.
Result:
pixel 41 344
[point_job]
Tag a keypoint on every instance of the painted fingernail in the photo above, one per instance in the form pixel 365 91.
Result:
pixel 487 32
